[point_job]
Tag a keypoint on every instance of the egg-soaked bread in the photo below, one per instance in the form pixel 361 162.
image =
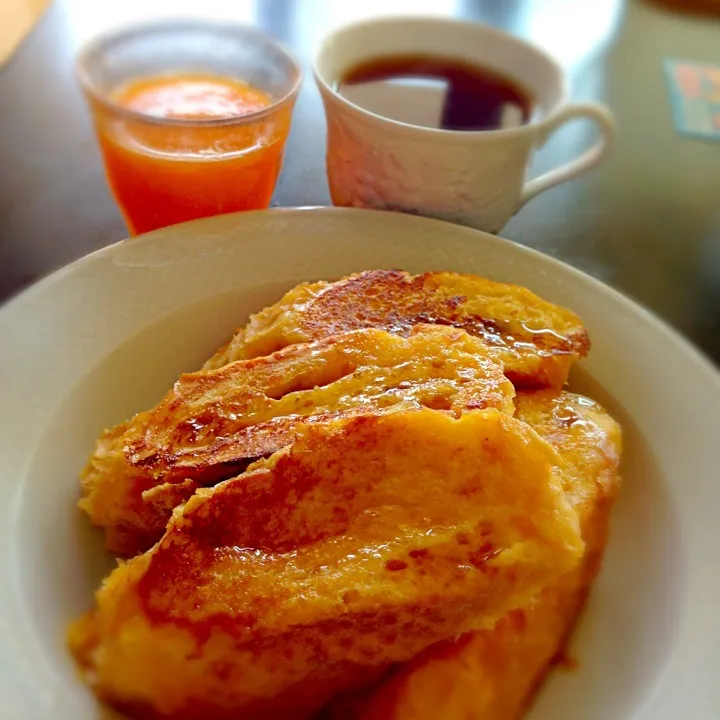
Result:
pixel 536 341
pixel 212 424
pixel 362 543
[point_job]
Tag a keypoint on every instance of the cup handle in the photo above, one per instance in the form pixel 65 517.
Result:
pixel 602 118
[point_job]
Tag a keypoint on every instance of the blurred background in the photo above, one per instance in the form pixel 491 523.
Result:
pixel 647 221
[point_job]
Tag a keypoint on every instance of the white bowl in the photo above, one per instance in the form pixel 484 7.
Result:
pixel 106 336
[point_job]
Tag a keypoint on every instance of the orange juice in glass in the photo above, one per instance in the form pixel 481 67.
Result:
pixel 191 118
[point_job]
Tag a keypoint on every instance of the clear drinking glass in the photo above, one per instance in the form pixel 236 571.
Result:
pixel 165 170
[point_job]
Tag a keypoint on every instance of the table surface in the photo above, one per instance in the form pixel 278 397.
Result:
pixel 647 221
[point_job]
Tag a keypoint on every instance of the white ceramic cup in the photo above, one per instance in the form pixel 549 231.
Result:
pixel 476 178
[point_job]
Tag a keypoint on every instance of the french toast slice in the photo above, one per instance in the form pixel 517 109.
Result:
pixel 493 674
pixel 359 545
pixel 212 424
pixel 536 341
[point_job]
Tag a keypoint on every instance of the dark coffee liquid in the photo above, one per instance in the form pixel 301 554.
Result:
pixel 438 92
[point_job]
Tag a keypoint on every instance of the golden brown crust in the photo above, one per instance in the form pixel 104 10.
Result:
pixel 213 423
pixel 113 495
pixel 536 341
pixel 493 674
pixel 366 540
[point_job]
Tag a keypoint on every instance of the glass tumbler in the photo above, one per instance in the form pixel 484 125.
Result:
pixel 164 169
